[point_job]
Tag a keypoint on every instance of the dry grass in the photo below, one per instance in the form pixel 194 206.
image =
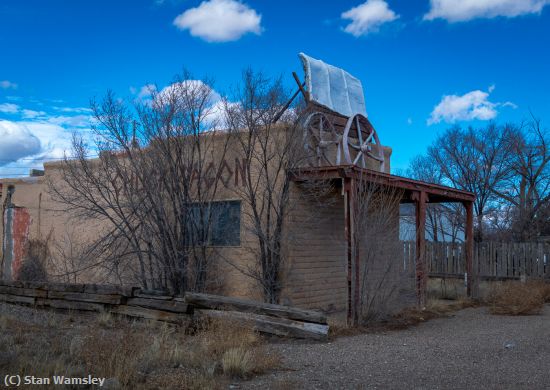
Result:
pixel 138 355
pixel 437 308
pixel 516 298
pixel 406 318
pixel 105 319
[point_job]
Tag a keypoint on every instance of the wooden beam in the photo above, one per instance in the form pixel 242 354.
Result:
pixel 421 199
pixel 151 314
pixel 208 301
pixel 160 304
pixel 271 325
pixel 442 193
pixel 469 247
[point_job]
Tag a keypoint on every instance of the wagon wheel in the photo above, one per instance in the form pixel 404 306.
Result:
pixel 361 141
pixel 321 138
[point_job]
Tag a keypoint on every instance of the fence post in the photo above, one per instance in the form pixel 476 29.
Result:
pixel 469 248
pixel 420 199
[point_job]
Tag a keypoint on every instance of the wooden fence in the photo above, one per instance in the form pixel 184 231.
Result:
pixel 492 260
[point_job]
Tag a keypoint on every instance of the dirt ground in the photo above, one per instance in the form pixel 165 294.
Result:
pixel 470 350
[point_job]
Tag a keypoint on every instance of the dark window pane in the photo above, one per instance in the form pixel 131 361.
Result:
pixel 226 224
pixel 217 223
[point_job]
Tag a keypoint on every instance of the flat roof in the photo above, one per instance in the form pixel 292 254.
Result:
pixel 437 193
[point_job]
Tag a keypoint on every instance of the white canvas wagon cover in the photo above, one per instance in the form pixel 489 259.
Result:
pixel 333 88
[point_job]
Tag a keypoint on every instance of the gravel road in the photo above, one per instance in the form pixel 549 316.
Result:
pixel 471 350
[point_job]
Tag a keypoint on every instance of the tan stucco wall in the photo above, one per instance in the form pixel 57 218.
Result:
pixel 314 275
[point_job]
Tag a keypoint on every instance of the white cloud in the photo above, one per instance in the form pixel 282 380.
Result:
pixel 16 141
pixel 72 109
pixel 38 136
pixel 189 86
pixel 9 108
pixel 214 114
pixel 146 91
pixel 368 17
pixel 470 106
pixel 220 20
pixel 29 143
pixel 55 140
pixel 510 104
pixel 72 121
pixel 30 114
pixel 464 10
pixel 6 84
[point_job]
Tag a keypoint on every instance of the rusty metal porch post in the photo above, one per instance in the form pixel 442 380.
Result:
pixel 420 199
pixel 350 189
pixel 349 246
pixel 470 277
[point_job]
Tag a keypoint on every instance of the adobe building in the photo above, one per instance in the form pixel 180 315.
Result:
pixel 323 267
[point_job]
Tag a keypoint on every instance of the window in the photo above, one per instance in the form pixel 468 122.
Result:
pixel 223 228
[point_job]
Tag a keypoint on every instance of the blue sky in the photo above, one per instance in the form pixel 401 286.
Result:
pixel 425 64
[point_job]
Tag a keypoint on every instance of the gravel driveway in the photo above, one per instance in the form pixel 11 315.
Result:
pixel 471 350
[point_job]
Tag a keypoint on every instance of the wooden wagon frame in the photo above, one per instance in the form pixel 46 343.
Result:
pixel 336 127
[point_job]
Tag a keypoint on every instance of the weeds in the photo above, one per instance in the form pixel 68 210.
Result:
pixel 237 362
pixel 33 266
pixel 406 318
pixel 105 319
pixel 516 298
pixel 132 354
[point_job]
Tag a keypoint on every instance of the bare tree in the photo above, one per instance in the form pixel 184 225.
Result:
pixel 151 189
pixel 475 160
pixel 444 222
pixel 271 151
pixel 528 189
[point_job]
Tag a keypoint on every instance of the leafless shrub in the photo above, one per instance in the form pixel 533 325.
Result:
pixel 516 298
pixel 33 266
pixel 271 151
pixel 152 187
pixel 376 225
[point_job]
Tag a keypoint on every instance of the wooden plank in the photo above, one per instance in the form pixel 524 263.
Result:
pixel 270 325
pixel 28 292
pixel 35 285
pixel 109 289
pixel 66 287
pixel 11 283
pixel 151 314
pixel 70 305
pixel 157 294
pixel 158 304
pixel 17 299
pixel 85 297
pixel 228 303
pixel 149 296
pixel 540 257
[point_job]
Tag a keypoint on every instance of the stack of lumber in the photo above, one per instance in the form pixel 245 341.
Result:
pixel 129 301
pixel 266 318
pixel 160 306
